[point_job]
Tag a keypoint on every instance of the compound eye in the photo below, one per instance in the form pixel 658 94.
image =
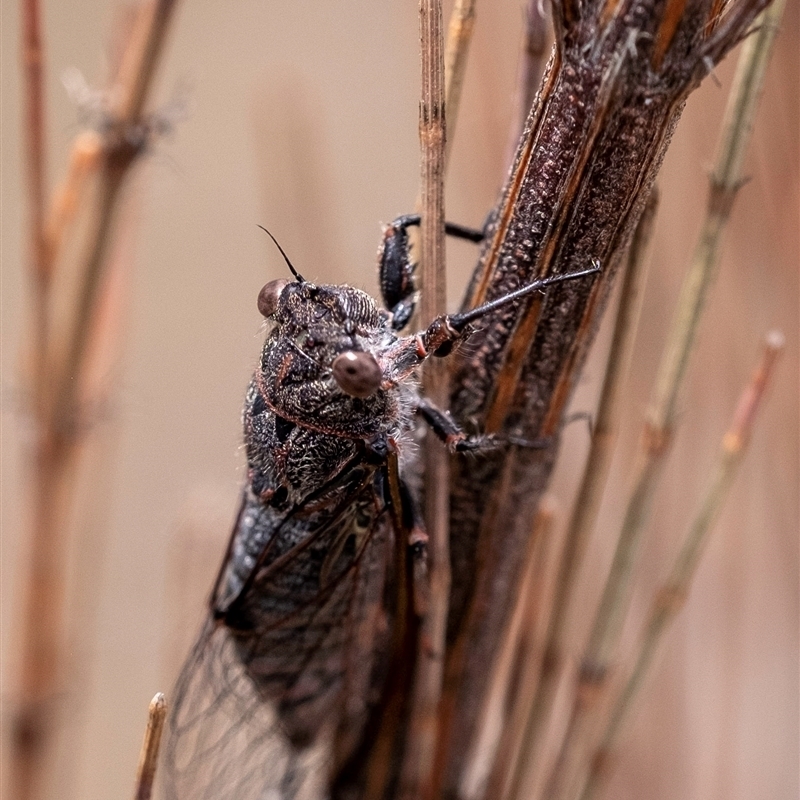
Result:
pixel 268 297
pixel 357 373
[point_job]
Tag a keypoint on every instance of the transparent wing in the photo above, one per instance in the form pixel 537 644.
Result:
pixel 268 705
pixel 225 739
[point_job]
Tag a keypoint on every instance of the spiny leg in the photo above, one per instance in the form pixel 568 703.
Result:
pixel 396 269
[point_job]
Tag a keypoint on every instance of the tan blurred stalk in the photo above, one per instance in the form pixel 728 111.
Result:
pixel 35 123
pixel 148 757
pixel 459 35
pixel 672 596
pixel 59 367
pixel 417 772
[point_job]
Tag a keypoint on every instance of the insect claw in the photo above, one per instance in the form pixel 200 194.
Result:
pixel 540 443
pixel 418 538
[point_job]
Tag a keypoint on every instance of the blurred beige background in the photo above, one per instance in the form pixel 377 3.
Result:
pixel 303 116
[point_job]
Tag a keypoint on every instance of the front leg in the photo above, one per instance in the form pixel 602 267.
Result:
pixel 396 269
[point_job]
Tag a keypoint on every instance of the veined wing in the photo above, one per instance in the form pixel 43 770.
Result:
pixel 277 690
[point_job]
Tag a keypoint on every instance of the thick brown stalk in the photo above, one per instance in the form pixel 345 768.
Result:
pixel 587 502
pixel 423 728
pixel 586 162
pixel 529 72
pixel 60 388
pixel 659 429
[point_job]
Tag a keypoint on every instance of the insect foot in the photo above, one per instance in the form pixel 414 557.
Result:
pixel 396 268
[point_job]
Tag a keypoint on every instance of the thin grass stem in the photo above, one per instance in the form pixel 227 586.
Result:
pixel 459 36
pixel 417 778
pixel 148 755
pixel 725 181
pixel 670 599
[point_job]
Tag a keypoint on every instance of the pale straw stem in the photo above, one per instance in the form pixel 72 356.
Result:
pixel 669 600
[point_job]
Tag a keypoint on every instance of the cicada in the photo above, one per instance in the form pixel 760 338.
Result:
pixel 310 613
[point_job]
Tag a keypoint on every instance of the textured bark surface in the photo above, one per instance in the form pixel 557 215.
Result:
pixel 593 143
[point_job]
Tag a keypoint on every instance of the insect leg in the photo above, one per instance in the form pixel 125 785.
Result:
pixel 546 441
pixel 448 431
pixel 396 269
pixel 450 228
pixel 409 352
pixel 457 441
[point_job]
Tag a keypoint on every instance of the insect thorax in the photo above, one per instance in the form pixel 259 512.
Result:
pixel 300 426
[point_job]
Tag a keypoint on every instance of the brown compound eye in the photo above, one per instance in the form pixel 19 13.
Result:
pixel 357 373
pixel 268 297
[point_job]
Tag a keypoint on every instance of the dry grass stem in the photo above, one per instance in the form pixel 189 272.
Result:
pixel 148 755
pixel 125 140
pixel 669 600
pixel 34 140
pixel 529 73
pixel 459 35
pixel 725 181
pixel 418 766
pixel 59 383
pixel 590 492
pixel 516 673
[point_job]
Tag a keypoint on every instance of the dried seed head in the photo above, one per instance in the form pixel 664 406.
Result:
pixel 357 373
pixel 268 297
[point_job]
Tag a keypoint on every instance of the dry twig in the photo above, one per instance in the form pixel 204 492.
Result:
pixel 148 755
pixel 590 493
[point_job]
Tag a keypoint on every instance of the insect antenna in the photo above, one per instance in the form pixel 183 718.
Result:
pixel 297 275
